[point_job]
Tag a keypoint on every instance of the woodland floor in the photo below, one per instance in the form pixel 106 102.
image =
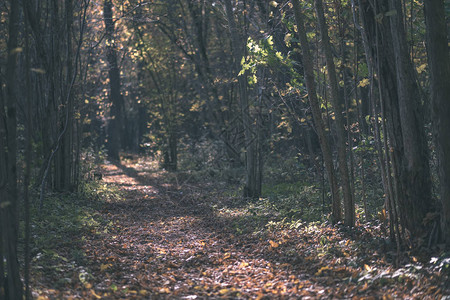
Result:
pixel 168 237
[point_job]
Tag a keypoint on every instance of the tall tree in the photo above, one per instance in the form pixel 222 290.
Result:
pixel 439 62
pixel 317 114
pixel 252 187
pixel 417 189
pixel 116 123
pixel 406 147
pixel 338 103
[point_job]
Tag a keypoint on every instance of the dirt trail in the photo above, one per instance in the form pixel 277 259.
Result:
pixel 166 244
pixel 164 241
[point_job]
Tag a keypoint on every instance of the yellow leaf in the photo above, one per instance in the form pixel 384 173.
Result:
pixel 143 292
pixel 273 244
pixel 323 269
pixel 421 68
pixel 95 295
pixel 364 288
pixel 364 82
pixel 223 291
pixel 368 269
pixel 243 264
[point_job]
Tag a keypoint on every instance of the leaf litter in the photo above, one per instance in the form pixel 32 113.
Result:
pixel 165 238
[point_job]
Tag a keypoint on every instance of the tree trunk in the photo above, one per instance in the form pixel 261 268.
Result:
pixel 337 101
pixel 439 62
pixel 317 114
pixel 115 128
pixel 417 201
pixel 8 160
pixel 171 150
pixel 379 55
pixel 407 149
pixel 252 189
pixel 64 158
pixel 68 138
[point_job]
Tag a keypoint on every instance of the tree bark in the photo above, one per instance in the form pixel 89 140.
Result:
pixel 317 114
pixel 439 63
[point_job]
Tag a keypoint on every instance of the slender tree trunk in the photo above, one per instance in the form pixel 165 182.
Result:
pixel 64 158
pixel 68 139
pixel 115 128
pixel 28 153
pixel 439 62
pixel 337 101
pixel 317 114
pixel 171 149
pixel 252 189
pixel 3 185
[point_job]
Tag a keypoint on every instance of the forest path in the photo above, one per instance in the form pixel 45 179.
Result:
pixel 164 240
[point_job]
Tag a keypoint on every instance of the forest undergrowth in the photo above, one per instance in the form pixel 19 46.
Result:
pixel 144 233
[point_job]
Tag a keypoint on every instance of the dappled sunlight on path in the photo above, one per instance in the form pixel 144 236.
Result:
pixel 164 239
pixel 163 246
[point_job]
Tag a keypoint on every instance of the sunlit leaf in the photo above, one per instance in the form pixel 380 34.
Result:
pixel 16 50
pixel 273 244
pixel 38 70
pixel 364 82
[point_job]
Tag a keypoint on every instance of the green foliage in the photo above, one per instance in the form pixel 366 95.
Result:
pixel 293 202
pixel 261 53
pixel 281 205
